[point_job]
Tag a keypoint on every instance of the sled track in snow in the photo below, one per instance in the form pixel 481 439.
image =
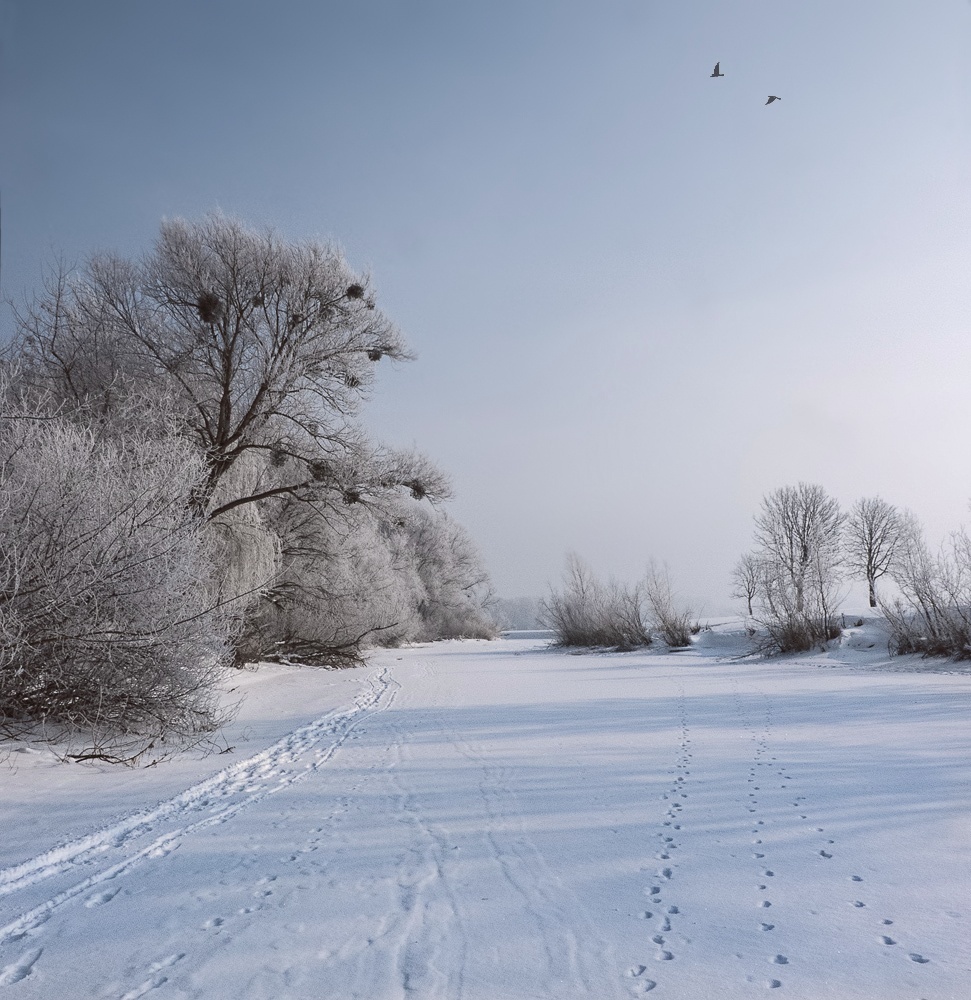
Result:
pixel 113 851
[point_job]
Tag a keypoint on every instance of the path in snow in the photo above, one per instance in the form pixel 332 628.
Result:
pixel 495 820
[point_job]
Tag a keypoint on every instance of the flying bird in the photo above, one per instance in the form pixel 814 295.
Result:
pixel 771 99
pixel 717 73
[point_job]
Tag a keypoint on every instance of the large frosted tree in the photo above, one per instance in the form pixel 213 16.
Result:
pixel 263 345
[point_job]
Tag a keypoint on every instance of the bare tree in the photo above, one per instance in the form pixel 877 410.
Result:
pixel 747 579
pixel 798 529
pixel 873 535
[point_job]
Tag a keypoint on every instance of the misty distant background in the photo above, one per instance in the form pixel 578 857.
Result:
pixel 641 299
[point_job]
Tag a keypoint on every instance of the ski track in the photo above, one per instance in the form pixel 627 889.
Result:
pixel 110 854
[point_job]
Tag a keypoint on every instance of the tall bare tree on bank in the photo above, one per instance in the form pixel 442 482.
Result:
pixel 799 529
pixel 264 345
pixel 747 578
pixel 873 537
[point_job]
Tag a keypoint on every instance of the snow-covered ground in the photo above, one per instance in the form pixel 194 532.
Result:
pixel 490 820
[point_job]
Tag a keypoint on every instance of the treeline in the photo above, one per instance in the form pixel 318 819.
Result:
pixel 185 484
pixel 806 550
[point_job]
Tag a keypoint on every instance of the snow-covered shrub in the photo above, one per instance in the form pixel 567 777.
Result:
pixel 587 612
pixel 791 620
pixel 671 621
pixel 107 617
pixel 932 615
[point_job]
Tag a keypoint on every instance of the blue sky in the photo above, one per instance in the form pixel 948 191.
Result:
pixel 641 299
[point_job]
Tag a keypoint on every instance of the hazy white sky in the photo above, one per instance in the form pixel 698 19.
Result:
pixel 641 299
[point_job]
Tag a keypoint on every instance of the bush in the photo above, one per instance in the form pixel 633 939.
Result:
pixel 590 613
pixel 671 622
pixel 107 617
pixel 933 614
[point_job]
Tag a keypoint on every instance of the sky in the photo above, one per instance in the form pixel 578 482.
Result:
pixel 640 297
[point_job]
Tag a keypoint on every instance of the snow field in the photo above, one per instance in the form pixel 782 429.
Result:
pixel 497 820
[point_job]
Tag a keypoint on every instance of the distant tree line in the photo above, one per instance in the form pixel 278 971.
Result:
pixel 185 484
pixel 792 583
pixel 807 548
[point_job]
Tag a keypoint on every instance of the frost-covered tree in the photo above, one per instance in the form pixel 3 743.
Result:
pixel 455 596
pixel 795 568
pixel 874 533
pixel 263 345
pixel 798 530
pixel 255 354
pixel 110 621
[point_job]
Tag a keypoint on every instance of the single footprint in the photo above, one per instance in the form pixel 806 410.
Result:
pixel 773 984
pixel 887 940
pixel 98 899
pixel 780 960
pixel 859 904
pixel 636 970
pixel 21 969
pixel 768 927
pixel 825 854
pixel 914 957
pixel 666 956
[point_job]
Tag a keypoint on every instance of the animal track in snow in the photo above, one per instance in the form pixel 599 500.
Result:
pixel 887 940
pixel 155 979
pixel 780 960
pixel 21 969
pixel 100 898
pixel 919 959
pixel 773 984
